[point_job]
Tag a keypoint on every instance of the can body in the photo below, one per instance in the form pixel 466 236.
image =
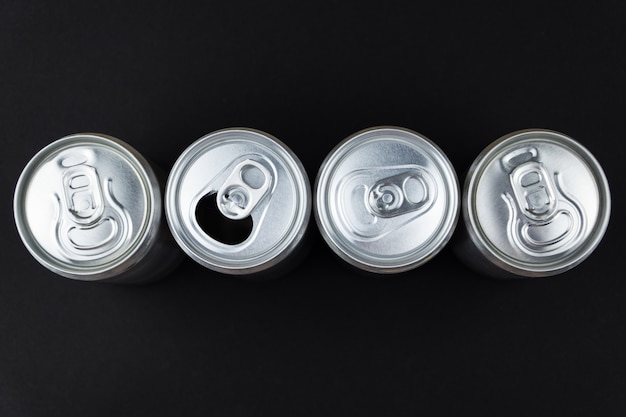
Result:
pixel 88 207
pixel 387 199
pixel 535 203
pixel 238 202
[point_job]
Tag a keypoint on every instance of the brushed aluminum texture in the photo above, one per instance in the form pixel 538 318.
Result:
pixel 248 175
pixel 387 199
pixel 88 207
pixel 535 203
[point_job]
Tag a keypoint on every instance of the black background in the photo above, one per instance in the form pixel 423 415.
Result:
pixel 437 341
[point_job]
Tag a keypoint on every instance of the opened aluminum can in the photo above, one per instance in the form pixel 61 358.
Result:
pixel 535 203
pixel 238 201
pixel 387 199
pixel 88 207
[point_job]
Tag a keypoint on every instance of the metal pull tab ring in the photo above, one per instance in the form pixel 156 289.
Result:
pixel 376 201
pixel 244 188
pixel 534 190
pixel 399 194
pixel 542 217
pixel 91 223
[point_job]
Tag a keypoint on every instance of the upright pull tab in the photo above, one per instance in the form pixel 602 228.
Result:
pixel 83 194
pixel 519 156
pixel 399 194
pixel 543 219
pixel 91 223
pixel 534 190
pixel 244 188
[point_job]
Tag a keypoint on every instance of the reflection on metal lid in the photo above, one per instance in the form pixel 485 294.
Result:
pixel 387 199
pixel 238 201
pixel 536 203
pixel 85 205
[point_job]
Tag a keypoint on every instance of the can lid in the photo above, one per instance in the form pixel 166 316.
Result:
pixel 238 201
pixel 87 206
pixel 387 199
pixel 536 203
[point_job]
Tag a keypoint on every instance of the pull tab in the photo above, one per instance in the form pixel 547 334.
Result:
pixel 543 219
pixel 534 190
pixel 91 223
pixel 373 202
pixel 399 194
pixel 519 156
pixel 83 194
pixel 244 188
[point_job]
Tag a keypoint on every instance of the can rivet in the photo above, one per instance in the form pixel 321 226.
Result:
pixel 244 189
pixel 400 194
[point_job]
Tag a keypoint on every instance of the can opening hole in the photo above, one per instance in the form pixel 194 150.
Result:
pixel 219 227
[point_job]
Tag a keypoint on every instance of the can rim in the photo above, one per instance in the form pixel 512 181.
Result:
pixel 175 223
pixel 507 263
pixel 322 178
pixel 144 238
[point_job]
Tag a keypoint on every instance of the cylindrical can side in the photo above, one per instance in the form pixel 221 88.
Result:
pixel 465 249
pixel 468 253
pixel 164 255
pixel 289 264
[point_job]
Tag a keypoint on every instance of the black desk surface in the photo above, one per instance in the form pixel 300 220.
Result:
pixel 324 340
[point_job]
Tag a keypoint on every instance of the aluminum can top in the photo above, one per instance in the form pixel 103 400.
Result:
pixel 88 206
pixel 387 199
pixel 536 203
pixel 234 178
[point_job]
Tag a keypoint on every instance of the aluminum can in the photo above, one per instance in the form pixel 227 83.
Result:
pixel 535 203
pixel 238 201
pixel 88 207
pixel 387 199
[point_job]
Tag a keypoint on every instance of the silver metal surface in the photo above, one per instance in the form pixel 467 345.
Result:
pixel 253 175
pixel 387 199
pixel 88 207
pixel 535 203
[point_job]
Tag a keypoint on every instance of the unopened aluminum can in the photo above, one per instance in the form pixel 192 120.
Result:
pixel 387 200
pixel 238 201
pixel 88 207
pixel 535 203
